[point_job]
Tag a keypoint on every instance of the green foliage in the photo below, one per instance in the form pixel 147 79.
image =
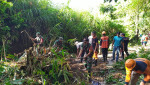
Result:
pixel 110 79
pixel 57 71
pixel 131 56
pixel 144 54
pixel 40 15
pixel 119 65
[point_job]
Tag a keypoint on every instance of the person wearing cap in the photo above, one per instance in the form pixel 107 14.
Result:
pixel 86 47
pixel 78 45
pixel 116 44
pixel 95 46
pixel 39 39
pixel 126 41
pixel 135 68
pixel 104 44
pixel 58 44
pixel 38 42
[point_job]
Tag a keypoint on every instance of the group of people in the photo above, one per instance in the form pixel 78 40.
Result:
pixel 144 39
pixel 58 44
pixel 120 44
pixel 88 50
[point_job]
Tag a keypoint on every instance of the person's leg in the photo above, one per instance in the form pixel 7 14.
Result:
pixel 126 51
pixel 82 56
pixel 89 67
pixel 95 62
pixel 146 80
pixel 142 83
pixel 122 54
pixel 145 43
pixel 114 49
pixel 106 53
pixel 118 50
pixel 134 78
pixel 103 53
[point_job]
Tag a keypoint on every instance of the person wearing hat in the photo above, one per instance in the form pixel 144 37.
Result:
pixel 39 39
pixel 58 44
pixel 104 44
pixel 116 44
pixel 38 42
pixel 135 68
pixel 78 45
pixel 86 47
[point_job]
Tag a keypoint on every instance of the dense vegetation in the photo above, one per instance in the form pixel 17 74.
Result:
pixel 131 17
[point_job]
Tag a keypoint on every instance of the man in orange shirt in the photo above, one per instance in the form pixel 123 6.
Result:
pixel 104 43
pixel 135 68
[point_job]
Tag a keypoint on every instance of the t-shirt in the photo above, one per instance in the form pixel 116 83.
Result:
pixel 90 39
pixel 79 45
pixel 58 43
pixel 86 47
pixel 143 38
pixel 38 39
pixel 94 41
pixel 146 39
pixel 126 41
pixel 117 41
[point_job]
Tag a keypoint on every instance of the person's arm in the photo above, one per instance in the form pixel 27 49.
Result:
pixel 33 38
pixel 96 47
pixel 41 41
pixel 55 44
pixel 101 42
pixel 78 51
pixel 122 42
pixel 81 50
pixel 113 42
pixel 108 43
pixel 128 76
pixel 90 51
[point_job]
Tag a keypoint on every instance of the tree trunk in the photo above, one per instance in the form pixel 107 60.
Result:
pixel 137 23
pixel 2 54
pixel 4 41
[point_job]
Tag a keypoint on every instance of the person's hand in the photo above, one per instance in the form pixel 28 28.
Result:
pixel 85 57
pixel 34 44
pixel 78 56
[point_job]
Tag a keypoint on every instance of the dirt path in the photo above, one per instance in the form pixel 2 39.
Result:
pixel 101 68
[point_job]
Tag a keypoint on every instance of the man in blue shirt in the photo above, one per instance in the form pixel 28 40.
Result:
pixel 116 44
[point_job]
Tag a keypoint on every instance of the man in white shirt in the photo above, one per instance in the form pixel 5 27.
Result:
pixel 90 38
pixel 78 45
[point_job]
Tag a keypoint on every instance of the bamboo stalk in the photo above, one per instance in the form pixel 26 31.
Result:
pixel 2 54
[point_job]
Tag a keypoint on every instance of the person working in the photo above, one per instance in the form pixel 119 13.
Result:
pixel 58 44
pixel 135 68
pixel 87 48
pixel 78 45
